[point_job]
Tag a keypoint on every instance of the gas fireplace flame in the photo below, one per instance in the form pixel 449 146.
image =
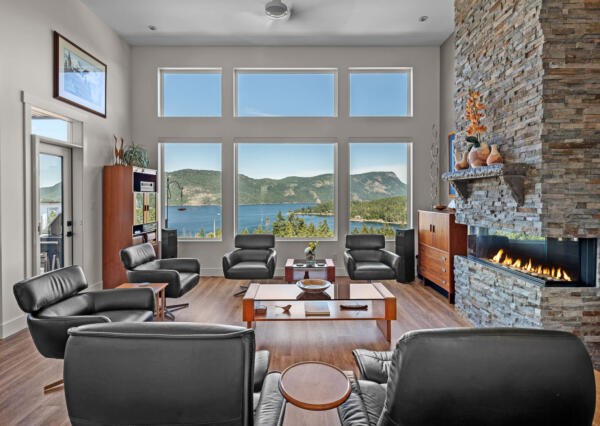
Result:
pixel 546 272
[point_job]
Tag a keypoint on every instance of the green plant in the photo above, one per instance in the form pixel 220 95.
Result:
pixel 135 155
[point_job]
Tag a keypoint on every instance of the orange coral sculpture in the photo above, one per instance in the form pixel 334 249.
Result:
pixel 474 112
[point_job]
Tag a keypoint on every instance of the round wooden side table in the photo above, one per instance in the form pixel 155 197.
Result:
pixel 314 385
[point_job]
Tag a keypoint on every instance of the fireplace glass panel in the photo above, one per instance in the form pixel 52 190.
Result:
pixel 551 261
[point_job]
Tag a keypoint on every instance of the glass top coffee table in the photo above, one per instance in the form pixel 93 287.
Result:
pixel 378 304
pixel 299 269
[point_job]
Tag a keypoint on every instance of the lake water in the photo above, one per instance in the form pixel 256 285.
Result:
pixel 190 221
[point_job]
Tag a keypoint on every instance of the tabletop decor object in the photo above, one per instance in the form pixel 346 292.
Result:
pixel 79 78
pixel 494 157
pixel 310 251
pixel 136 155
pixel 475 111
pixel 118 152
pixel 313 286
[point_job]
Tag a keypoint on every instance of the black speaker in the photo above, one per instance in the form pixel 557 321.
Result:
pixel 169 243
pixel 405 248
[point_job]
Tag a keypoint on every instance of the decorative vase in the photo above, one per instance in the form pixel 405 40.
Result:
pixel 310 256
pixel 461 162
pixel 494 157
pixel 478 155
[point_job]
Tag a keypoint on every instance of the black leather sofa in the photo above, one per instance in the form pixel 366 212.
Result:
pixel 367 259
pixel 55 302
pixel 169 374
pixel 255 258
pixel 474 377
pixel 182 274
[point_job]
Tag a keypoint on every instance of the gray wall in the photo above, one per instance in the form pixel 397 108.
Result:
pixel 148 128
pixel 447 114
pixel 26 65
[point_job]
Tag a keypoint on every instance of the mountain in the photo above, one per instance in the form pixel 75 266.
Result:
pixel 204 187
pixel 51 194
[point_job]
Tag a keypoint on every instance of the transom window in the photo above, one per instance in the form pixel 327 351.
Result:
pixel 286 93
pixel 50 125
pixel 380 92
pixel 190 92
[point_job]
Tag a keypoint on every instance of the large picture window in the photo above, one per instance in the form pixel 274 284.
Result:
pixel 190 93
pixel 192 189
pixel 287 189
pixel 379 187
pixel 286 93
pixel 380 92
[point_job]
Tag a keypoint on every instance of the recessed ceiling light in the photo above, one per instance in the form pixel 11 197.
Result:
pixel 151 27
pixel 423 18
pixel 276 9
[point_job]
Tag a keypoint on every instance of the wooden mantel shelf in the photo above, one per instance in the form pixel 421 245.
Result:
pixel 513 175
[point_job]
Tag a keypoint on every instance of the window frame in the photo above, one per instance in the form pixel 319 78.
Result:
pixel 161 178
pixel 284 141
pixel 383 70
pixel 246 70
pixel 185 70
pixel 409 174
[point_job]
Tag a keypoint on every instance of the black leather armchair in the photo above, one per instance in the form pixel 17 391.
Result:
pixel 55 302
pixel 181 274
pixel 254 259
pixel 473 377
pixel 169 374
pixel 367 259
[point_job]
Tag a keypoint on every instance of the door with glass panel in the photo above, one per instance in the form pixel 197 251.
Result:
pixel 54 245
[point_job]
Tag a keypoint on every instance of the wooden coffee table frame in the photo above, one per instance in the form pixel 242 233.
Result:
pixel 382 310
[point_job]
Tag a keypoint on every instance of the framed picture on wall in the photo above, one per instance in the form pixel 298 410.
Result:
pixel 451 135
pixel 79 77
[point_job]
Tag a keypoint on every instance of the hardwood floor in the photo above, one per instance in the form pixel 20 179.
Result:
pixel 24 371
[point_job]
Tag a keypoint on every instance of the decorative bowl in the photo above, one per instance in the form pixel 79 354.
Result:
pixel 439 207
pixel 313 286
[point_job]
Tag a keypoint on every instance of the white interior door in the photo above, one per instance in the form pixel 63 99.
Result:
pixel 53 206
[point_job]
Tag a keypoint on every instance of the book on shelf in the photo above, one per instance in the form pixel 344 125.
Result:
pixel 316 309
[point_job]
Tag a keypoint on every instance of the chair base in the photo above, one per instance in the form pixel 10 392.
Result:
pixel 172 308
pixel 54 386
pixel 243 289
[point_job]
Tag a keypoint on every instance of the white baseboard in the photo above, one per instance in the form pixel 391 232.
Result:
pixel 13 326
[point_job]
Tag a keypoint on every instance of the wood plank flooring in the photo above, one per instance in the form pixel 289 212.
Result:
pixel 23 371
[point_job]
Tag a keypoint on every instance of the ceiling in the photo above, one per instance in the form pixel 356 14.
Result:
pixel 312 22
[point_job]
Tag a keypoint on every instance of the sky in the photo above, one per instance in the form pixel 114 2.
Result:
pixel 50 127
pixel 50 170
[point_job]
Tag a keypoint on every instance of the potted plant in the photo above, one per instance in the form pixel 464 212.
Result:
pixel 474 112
pixel 310 250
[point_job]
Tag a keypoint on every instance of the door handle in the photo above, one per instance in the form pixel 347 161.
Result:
pixel 69 233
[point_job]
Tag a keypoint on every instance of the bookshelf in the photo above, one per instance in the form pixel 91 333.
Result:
pixel 130 216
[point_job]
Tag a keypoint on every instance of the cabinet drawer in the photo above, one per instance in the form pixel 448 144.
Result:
pixel 434 255
pixel 438 267
pixel 443 279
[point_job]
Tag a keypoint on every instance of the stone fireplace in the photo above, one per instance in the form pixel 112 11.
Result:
pixel 536 64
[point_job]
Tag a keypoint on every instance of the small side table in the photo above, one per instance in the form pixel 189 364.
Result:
pixel 292 265
pixel 314 385
pixel 159 296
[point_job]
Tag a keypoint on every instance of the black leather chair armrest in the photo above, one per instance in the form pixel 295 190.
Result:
pixel 261 368
pixel 392 260
pixel 272 261
pixel 271 405
pixel 230 259
pixel 50 333
pixel 373 365
pixel 181 265
pixel 349 261
pixel 156 276
pixel 123 298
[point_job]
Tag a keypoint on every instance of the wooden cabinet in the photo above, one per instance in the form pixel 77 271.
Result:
pixel 440 239
pixel 129 216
